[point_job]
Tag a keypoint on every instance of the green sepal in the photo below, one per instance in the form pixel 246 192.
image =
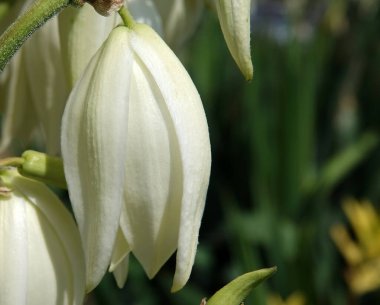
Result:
pixel 44 168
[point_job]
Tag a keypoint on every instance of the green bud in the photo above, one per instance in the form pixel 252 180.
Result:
pixel 44 168
pixel 237 290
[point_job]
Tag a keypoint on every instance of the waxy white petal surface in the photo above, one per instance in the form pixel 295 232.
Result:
pixel 93 148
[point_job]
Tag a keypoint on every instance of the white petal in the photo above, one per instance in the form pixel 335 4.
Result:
pixel 19 120
pixel 234 17
pixel 187 117
pixel 64 242
pixel 93 149
pixel 153 184
pixel 47 81
pixel 13 253
pixel 145 11
pixel 120 251
pixel 78 39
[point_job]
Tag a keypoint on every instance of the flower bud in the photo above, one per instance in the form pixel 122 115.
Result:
pixel 234 17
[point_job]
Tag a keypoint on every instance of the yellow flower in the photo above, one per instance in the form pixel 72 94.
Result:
pixel 362 255
pixel 296 298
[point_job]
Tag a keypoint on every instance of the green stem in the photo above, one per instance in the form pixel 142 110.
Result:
pixel 126 17
pixel 13 161
pixel 36 15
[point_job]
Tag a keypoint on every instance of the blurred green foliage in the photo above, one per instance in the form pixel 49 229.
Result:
pixel 287 148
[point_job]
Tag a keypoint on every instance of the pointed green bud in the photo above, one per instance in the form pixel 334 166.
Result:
pixel 237 290
pixel 44 168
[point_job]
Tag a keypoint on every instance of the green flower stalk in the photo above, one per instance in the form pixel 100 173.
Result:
pixel 37 14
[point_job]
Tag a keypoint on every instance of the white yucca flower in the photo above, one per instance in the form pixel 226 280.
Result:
pixel 136 153
pixel 234 17
pixel 41 258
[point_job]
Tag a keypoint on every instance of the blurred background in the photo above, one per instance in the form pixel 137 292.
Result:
pixel 295 177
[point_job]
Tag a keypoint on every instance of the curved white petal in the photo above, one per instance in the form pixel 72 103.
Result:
pixel 234 18
pixel 185 112
pixel 13 245
pixel 82 32
pixel 153 183
pixel 64 232
pixel 93 149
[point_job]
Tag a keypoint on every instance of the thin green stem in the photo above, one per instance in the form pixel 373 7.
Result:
pixel 126 17
pixel 12 161
pixel 37 14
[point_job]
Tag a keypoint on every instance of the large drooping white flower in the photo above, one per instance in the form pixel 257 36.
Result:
pixel 234 17
pixel 136 153
pixel 41 257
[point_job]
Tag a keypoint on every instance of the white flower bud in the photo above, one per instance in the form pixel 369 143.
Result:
pixel 234 17
pixel 137 158
pixel 41 259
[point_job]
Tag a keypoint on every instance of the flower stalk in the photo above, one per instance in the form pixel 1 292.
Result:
pixel 126 16
pixel 17 33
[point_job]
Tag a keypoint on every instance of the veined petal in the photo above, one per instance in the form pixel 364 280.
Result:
pixel 93 149
pixel 186 114
pixel 234 18
pixel 153 183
